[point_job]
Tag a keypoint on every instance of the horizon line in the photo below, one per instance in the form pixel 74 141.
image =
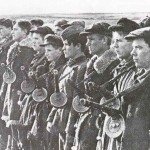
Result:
pixel 23 14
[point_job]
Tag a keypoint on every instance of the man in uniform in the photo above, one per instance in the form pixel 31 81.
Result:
pixel 58 26
pixel 35 23
pixel 38 66
pixel 17 56
pixel 5 30
pixel 136 134
pixel 98 41
pixel 123 49
pixel 53 51
pixel 73 49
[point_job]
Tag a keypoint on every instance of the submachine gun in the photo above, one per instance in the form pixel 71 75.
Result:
pixel 115 123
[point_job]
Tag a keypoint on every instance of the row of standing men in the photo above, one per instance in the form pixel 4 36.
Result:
pixel 77 87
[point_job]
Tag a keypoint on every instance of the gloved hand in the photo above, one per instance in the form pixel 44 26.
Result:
pixel 91 88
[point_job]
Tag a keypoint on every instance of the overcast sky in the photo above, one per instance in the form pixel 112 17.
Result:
pixel 8 7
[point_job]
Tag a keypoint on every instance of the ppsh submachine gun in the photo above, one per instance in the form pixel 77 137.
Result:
pixel 59 99
pixel 9 75
pixel 115 123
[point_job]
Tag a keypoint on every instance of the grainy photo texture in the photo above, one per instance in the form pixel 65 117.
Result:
pixel 75 75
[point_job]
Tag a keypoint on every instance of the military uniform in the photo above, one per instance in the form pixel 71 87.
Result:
pixel 43 109
pixel 5 45
pixel 4 50
pixel 120 85
pixel 86 129
pixel 39 59
pixel 28 104
pixel 124 68
pixel 54 134
pixel 17 56
pixel 7 42
pixel 136 134
pixel 73 115
pixel 61 115
pixel 30 107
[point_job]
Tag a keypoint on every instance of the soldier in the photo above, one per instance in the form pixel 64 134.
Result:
pixel 38 36
pixel 37 39
pixel 35 23
pixel 58 25
pixel 82 24
pixel 95 35
pixel 136 134
pixel 5 30
pixel 98 42
pixel 123 49
pixel 37 68
pixel 53 51
pixel 17 56
pixel 73 47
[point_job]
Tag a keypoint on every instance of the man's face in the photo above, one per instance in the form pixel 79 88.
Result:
pixel 58 30
pixel 95 43
pixel 70 50
pixel 18 33
pixel 141 53
pixel 37 40
pixel 4 31
pixel 51 52
pixel 121 46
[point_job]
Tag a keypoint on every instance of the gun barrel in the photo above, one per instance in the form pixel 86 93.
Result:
pixel 88 103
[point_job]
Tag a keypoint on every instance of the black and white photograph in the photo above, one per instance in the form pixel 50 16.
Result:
pixel 74 75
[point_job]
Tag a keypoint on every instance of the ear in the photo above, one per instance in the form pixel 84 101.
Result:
pixel 25 31
pixel 104 40
pixel 78 46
